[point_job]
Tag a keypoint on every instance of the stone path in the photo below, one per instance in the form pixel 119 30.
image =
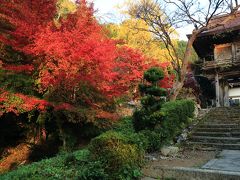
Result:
pixel 228 160
pixel 225 165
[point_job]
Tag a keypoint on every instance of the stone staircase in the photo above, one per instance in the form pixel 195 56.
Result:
pixel 219 129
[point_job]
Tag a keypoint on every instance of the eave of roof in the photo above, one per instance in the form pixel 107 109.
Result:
pixel 221 24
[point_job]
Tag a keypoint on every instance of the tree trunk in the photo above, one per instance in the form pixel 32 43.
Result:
pixel 179 84
pixel 176 90
pixel 62 134
pixel 63 138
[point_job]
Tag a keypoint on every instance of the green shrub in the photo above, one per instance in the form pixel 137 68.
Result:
pixel 75 165
pixel 176 116
pixel 145 119
pixel 148 117
pixel 156 91
pixel 154 140
pixel 140 140
pixel 91 170
pixel 154 74
pixel 117 154
pixel 148 101
pixel 142 120
pixel 125 126
pixel 160 127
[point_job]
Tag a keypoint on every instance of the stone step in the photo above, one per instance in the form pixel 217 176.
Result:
pixel 208 139
pixel 231 109
pixel 185 173
pixel 223 117
pixel 213 125
pixel 224 121
pixel 235 112
pixel 201 145
pixel 217 129
pixel 229 113
pixel 215 111
pixel 221 122
pixel 217 134
pixel 225 109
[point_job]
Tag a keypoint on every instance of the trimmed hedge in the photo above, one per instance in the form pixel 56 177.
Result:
pixel 176 116
pixel 125 126
pixel 75 165
pixel 162 126
pixel 121 158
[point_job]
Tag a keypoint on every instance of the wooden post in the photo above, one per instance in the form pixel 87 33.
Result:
pixel 233 52
pixel 217 90
pixel 226 94
pixel 221 93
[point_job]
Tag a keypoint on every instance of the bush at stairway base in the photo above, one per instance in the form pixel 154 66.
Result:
pixel 154 139
pixel 176 116
pixel 121 158
pixel 167 123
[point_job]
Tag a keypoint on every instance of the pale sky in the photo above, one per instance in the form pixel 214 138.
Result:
pixel 107 12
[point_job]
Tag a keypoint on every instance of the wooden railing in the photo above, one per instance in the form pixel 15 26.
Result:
pixel 221 63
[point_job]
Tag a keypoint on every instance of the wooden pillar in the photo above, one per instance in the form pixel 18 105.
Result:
pixel 226 94
pixel 233 52
pixel 221 93
pixel 217 86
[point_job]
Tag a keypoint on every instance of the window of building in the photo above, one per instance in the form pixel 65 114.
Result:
pixel 223 52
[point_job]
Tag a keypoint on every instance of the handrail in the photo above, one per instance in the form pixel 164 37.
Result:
pixel 217 63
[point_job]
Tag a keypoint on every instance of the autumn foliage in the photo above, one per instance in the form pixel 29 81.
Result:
pixel 19 68
pixel 25 18
pixel 19 103
pixel 65 53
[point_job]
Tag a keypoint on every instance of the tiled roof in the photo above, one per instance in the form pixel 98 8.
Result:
pixel 228 22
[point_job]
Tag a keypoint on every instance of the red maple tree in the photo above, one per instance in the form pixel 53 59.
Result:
pixel 75 50
pixel 25 18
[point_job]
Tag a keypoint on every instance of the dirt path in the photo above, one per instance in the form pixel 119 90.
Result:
pixel 185 158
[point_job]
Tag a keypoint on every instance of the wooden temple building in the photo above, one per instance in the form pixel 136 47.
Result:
pixel 219 52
